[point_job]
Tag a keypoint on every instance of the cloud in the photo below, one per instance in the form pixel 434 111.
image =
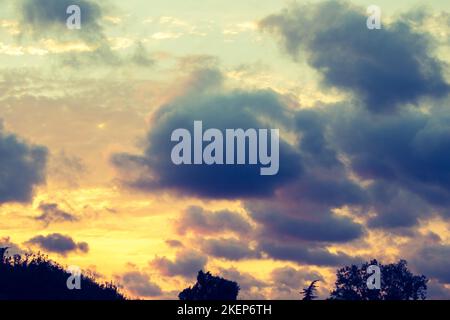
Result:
pixel 305 254
pixel 140 284
pixel 66 168
pixel 106 55
pixel 297 204
pixel 186 264
pixel 376 174
pixel 22 168
pixel 386 170
pixel 384 68
pixel 58 243
pixel 174 243
pixel 399 161
pixel 282 226
pixel 287 282
pixel 51 213
pixel 45 21
pixel 405 157
pixel 141 56
pixel 293 278
pixel 198 220
pixel 229 248
pixel 245 280
pixel 437 291
pixel 43 17
pixel 433 260
pixel 303 210
pixel 429 255
pixel 154 170
pixel 13 248
pixel 251 288
pixel 395 207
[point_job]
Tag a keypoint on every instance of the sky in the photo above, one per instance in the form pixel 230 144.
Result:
pixel 86 117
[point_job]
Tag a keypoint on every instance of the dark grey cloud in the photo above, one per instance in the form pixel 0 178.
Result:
pixel 140 284
pixel 405 156
pixel 306 253
pixel 206 99
pixel 395 207
pixel 51 213
pixel 229 248
pixel 325 228
pixel 433 260
pixel 303 210
pixel 22 168
pixel 58 243
pixel 401 158
pixel 199 220
pixel 187 264
pixel 437 291
pixel 43 17
pixel 384 68
pixel 429 255
pixel 325 179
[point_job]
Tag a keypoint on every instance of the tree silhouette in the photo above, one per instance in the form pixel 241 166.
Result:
pixel 209 287
pixel 397 283
pixel 309 292
pixel 35 277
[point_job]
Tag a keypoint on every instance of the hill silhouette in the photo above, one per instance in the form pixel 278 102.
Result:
pixel 33 276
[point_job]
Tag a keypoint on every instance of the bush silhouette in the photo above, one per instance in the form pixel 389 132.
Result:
pixel 397 283
pixel 209 287
pixel 35 277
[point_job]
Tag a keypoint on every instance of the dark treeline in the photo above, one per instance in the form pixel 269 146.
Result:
pixel 34 277
pixel 397 283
